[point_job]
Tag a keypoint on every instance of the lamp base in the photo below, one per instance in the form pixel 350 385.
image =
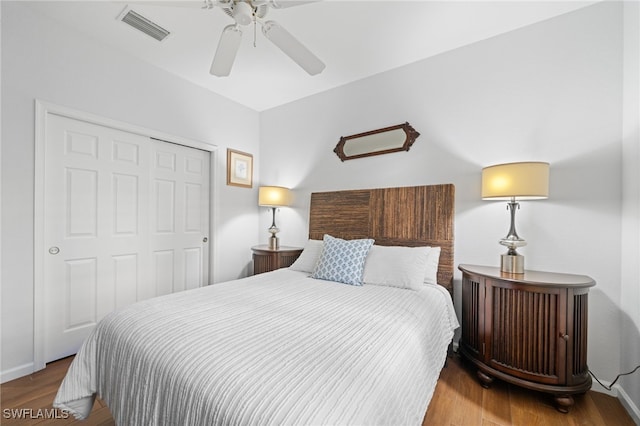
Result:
pixel 274 243
pixel 512 263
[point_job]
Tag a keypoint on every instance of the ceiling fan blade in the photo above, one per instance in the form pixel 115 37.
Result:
pixel 196 4
pixel 226 52
pixel 292 47
pixel 283 4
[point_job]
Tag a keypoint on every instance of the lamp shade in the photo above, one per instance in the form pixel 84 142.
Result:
pixel 274 196
pixel 522 181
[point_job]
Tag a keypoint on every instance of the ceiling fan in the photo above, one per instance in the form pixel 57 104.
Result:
pixel 245 13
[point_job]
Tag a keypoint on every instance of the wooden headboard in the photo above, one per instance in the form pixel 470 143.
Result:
pixel 407 216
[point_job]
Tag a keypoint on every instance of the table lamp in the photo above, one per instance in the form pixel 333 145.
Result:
pixel 513 182
pixel 274 197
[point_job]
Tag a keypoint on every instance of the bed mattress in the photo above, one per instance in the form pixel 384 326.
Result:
pixel 276 348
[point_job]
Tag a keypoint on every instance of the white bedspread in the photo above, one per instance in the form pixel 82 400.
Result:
pixel 277 348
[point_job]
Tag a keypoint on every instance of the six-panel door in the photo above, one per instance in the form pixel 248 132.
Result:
pixel 124 220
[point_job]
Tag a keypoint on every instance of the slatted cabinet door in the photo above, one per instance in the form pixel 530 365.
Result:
pixel 525 321
pixel 473 337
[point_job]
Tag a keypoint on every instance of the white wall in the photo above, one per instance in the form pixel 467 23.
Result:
pixel 549 92
pixel 630 283
pixel 41 59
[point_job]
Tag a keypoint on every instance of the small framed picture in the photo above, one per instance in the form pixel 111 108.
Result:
pixel 239 168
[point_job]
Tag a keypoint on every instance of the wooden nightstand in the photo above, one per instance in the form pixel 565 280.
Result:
pixel 266 260
pixel 527 329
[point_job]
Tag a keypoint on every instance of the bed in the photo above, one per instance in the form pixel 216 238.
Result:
pixel 289 346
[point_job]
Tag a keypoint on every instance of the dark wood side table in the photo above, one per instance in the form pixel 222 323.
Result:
pixel 266 259
pixel 527 329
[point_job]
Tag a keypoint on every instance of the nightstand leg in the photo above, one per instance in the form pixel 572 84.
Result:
pixel 563 403
pixel 485 379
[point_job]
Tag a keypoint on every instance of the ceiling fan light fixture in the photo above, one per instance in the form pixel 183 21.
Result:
pixel 283 4
pixel 292 48
pixel 242 13
pixel 226 52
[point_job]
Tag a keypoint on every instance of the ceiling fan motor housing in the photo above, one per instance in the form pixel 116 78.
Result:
pixel 242 13
pixel 245 12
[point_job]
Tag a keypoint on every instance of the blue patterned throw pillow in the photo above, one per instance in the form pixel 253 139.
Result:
pixel 342 260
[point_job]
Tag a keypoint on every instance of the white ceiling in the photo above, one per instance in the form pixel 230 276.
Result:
pixel 355 39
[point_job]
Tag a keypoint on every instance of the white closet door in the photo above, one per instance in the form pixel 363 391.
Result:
pixel 100 202
pixel 180 217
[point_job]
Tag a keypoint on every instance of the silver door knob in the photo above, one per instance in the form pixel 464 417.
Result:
pixel 205 239
pixel 54 250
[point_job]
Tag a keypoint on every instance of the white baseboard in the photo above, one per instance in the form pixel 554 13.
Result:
pixel 628 404
pixel 16 373
pixel 596 387
pixel 618 392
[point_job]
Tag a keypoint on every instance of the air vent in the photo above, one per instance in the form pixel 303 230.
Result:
pixel 143 24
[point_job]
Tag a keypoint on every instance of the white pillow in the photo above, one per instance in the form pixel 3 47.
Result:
pixel 309 257
pixel 396 266
pixel 433 258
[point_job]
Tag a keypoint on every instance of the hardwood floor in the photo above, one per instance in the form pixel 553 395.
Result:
pixel 458 400
pixel 27 395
